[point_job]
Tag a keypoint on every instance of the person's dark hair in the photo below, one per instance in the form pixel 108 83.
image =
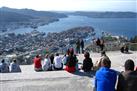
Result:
pixel 2 61
pixel 57 54
pixel 86 55
pixel 37 56
pixel 14 61
pixel 68 51
pixel 129 65
pixel 105 61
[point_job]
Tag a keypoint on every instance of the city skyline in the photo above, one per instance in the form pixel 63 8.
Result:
pixel 72 5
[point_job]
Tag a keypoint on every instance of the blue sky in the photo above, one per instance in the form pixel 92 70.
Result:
pixel 73 5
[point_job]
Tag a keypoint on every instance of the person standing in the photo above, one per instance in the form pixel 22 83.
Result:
pixel 37 63
pixel 82 45
pixel 78 46
pixel 127 80
pixel 105 78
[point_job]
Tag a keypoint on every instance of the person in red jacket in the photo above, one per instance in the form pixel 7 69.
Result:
pixel 37 63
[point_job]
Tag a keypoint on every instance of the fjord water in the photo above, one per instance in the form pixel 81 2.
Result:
pixel 116 26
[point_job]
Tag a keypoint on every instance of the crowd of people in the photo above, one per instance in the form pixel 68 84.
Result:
pixel 106 79
pixel 68 62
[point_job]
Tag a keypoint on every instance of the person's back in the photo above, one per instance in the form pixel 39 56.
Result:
pixel 14 67
pixel 64 59
pixel 47 64
pixel 87 62
pixel 58 62
pixel 128 79
pixel 98 63
pixel 71 62
pixel 51 58
pixel 4 68
pixel 37 63
pixel 105 78
pixel 131 80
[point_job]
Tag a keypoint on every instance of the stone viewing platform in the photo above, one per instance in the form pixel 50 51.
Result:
pixel 29 80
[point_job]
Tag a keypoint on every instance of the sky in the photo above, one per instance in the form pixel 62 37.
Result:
pixel 73 5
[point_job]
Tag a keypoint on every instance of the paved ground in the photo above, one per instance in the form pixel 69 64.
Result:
pixel 29 80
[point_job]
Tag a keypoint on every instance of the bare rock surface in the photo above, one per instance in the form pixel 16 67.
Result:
pixel 29 80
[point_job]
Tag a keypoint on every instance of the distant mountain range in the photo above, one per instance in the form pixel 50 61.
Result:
pixel 106 14
pixel 26 17
pixel 11 18
pixel 7 16
pixel 14 15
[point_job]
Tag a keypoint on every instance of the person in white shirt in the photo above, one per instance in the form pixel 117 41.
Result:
pixel 58 65
pixel 47 64
pixel 14 67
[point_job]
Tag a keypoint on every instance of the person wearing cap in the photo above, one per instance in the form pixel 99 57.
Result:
pixel 127 80
pixel 105 78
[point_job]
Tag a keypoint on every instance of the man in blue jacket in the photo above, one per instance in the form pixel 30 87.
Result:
pixel 105 78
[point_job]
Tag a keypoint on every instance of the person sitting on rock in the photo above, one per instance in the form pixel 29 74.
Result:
pixel 105 78
pixel 47 64
pixel 4 68
pixel 14 67
pixel 124 49
pixel 37 63
pixel 127 80
pixel 64 59
pixel 98 63
pixel 71 62
pixel 57 63
pixel 87 62
pixel 52 58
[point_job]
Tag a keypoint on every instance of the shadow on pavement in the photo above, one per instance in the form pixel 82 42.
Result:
pixel 90 74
